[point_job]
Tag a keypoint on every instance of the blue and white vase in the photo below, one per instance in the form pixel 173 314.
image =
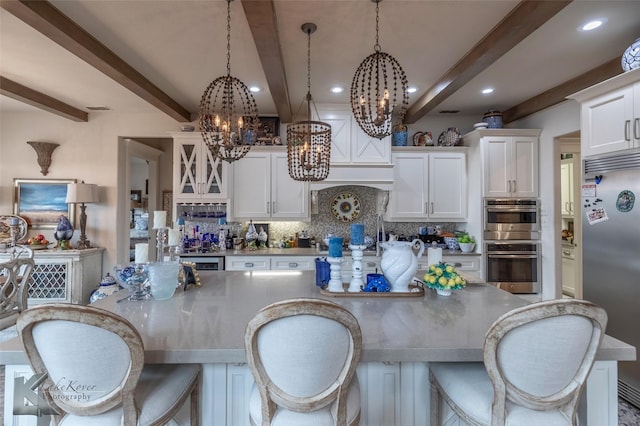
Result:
pixel 107 286
pixel 400 135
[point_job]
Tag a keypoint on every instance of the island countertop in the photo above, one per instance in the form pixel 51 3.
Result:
pixel 206 324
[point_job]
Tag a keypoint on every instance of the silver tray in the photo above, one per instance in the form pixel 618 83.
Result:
pixel 5 228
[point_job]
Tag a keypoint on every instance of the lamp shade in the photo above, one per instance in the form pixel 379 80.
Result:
pixel 82 193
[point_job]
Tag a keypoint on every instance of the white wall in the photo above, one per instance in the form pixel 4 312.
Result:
pixel 556 121
pixel 87 151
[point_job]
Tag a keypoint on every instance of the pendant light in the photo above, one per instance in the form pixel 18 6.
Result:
pixel 309 141
pixel 228 113
pixel 379 91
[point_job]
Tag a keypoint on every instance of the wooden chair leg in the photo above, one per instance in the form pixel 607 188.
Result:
pixel 195 402
pixel 435 402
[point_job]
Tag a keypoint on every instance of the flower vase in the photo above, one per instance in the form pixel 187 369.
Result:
pixel 443 292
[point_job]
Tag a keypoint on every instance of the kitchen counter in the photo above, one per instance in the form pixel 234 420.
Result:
pixel 305 252
pixel 400 336
pixel 206 324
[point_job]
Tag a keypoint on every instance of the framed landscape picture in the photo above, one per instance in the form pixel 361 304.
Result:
pixel 41 202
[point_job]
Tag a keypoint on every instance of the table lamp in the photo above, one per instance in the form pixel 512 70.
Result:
pixel 81 193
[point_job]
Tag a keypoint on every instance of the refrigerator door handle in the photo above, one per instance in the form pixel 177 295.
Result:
pixel 627 130
pixel 636 128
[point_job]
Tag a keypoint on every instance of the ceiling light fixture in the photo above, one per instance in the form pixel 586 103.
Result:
pixel 228 113
pixel 592 24
pixel 337 89
pixel 379 97
pixel 308 141
pixel 254 89
pixel 487 90
pixel 412 90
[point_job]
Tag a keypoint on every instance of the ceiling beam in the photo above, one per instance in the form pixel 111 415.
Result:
pixel 11 89
pixel 45 18
pixel 523 20
pixel 560 92
pixel 261 16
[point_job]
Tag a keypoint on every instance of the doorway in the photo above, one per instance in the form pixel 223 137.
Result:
pixel 571 220
pixel 129 149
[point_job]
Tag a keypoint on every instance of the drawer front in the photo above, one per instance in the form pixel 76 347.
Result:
pixel 462 263
pixel 248 263
pixel 289 263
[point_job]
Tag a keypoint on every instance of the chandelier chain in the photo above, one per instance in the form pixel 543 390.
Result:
pixel 377 47
pixel 228 37
pixel 309 61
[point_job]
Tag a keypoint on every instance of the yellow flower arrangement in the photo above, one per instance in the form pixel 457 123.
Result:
pixel 443 276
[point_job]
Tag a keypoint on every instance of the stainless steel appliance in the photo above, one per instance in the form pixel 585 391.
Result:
pixel 205 263
pixel 511 219
pixel 611 252
pixel 514 266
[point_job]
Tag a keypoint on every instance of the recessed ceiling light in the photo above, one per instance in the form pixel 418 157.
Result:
pixel 487 90
pixel 337 89
pixel 592 24
pixel 254 89
pixel 412 90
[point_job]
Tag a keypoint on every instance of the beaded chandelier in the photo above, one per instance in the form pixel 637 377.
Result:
pixel 308 142
pixel 228 113
pixel 379 91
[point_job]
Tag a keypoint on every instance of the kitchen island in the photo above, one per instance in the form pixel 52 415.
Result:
pixel 401 335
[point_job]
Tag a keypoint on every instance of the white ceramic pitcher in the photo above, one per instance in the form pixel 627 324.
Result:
pixel 399 264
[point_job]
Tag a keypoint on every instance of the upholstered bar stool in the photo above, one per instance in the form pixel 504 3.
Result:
pixel 303 355
pixel 536 361
pixel 101 356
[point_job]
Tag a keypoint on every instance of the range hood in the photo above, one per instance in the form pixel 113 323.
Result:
pixel 378 176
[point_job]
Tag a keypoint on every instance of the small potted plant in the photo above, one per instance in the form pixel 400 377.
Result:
pixel 443 278
pixel 466 242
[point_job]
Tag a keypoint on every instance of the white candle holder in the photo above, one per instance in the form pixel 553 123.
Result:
pixel 335 283
pixel 160 236
pixel 356 283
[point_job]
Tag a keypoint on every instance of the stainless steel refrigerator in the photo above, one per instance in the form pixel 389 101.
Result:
pixel 611 252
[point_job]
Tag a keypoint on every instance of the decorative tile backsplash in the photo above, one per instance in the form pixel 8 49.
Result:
pixel 324 222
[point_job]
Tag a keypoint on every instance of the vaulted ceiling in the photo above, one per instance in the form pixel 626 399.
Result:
pixel 67 56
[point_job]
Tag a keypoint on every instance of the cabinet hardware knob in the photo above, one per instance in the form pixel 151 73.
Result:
pixel 636 128
pixel 293 264
pixel 248 264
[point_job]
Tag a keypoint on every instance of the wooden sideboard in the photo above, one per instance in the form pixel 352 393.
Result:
pixel 67 276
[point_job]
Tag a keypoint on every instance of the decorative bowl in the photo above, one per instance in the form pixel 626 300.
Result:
pixel 467 247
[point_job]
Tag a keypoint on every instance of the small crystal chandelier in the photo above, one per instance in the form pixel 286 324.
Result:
pixel 308 142
pixel 228 113
pixel 378 91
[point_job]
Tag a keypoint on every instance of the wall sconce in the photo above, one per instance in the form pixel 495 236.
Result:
pixel 44 151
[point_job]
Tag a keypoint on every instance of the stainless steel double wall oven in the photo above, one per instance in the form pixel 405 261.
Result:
pixel 513 261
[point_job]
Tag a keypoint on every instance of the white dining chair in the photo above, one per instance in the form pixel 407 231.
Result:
pixel 15 276
pixel 95 372
pixel 536 361
pixel 303 355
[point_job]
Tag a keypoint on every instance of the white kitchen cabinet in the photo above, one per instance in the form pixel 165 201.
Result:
pixel 370 265
pixel 349 143
pixel 509 161
pixel 267 263
pixel 466 263
pixel 568 271
pixel 610 115
pixel 197 176
pixel 293 263
pixel 428 185
pixel 247 263
pixel 567 192
pixel 263 189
